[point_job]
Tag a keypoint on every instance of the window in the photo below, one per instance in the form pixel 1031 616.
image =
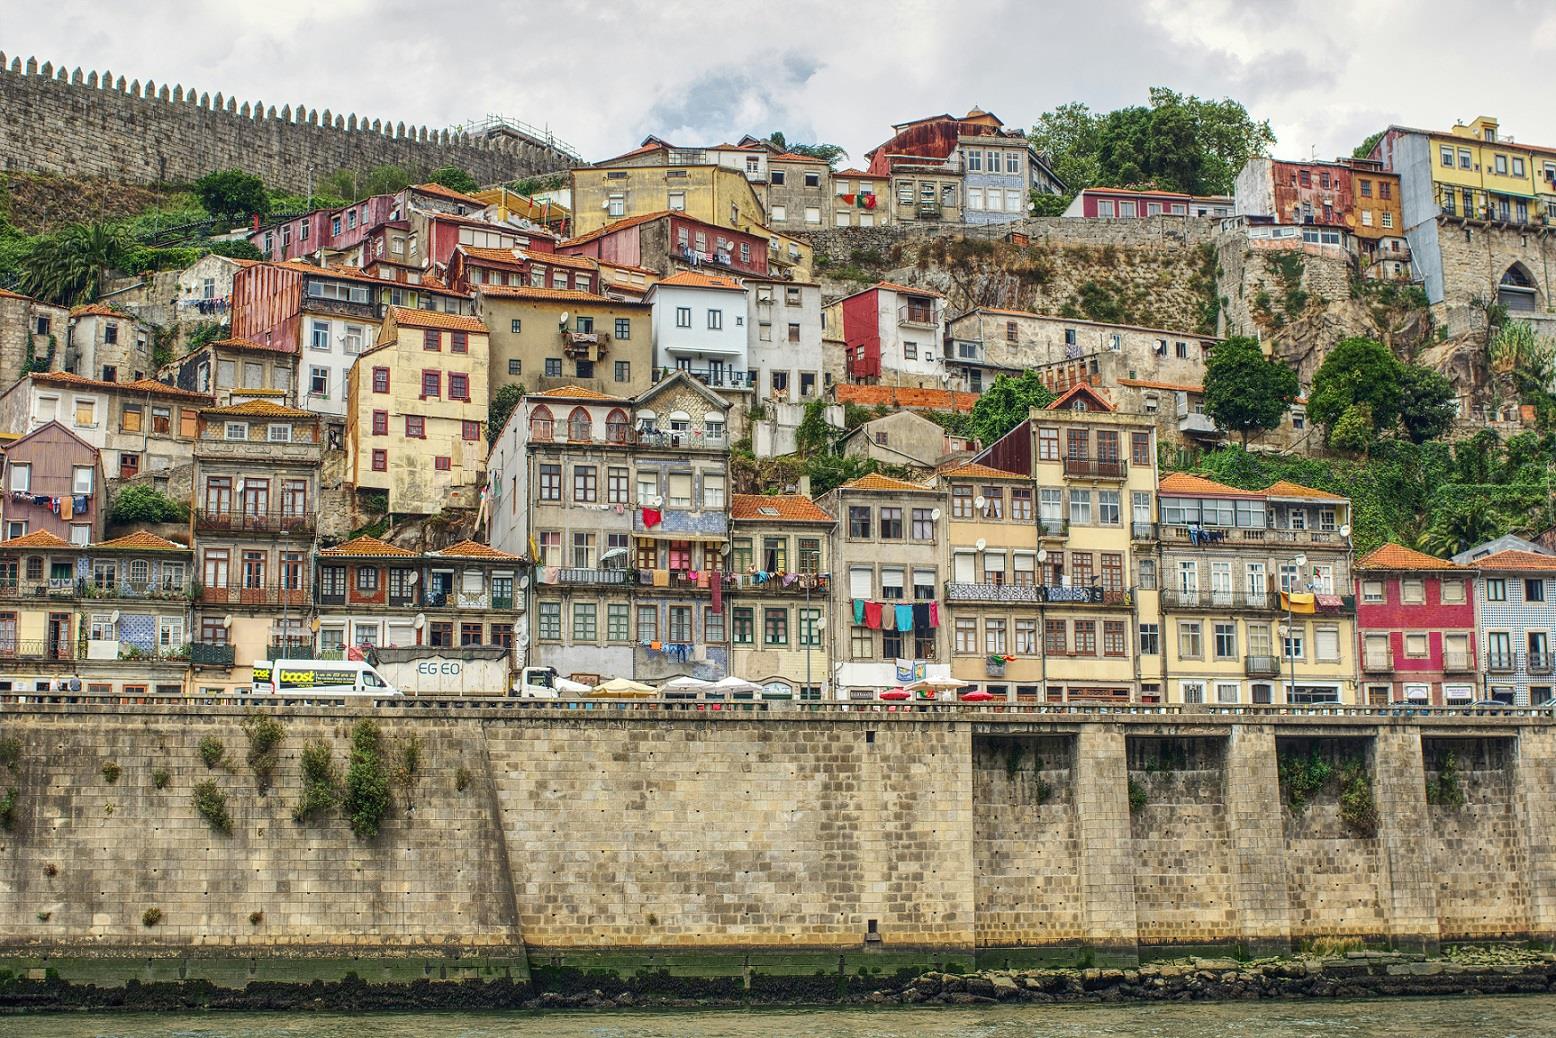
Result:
pixel 1412 591
pixel 1140 448
pixel 680 624
pixel 380 460
pixel 415 427
pixel 713 491
pixel 550 621
pixel 1021 504
pixel 131 418
pixel 1225 635
pixel 1055 637
pixel 994 636
pixel 550 481
pixel 585 622
pixel 1108 507
pixel 812 178
pixel 891 524
pixel 679 489
pixel 1048 444
pixel 859 521
pixel 1190 640
pixel 715 320
pixel 683 317
pixel 1372 591
pixel 1496 589
pixel 380 379
pixel 775 627
pixel 923 524
pixel 367 578
pixel 585 483
pixel 1080 507
pixel 431 385
pixel 1451 592
pixel 1465 160
pixel 21 477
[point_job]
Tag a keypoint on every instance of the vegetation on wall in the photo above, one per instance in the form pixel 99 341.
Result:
pixel 1008 403
pixel 321 783
pixel 265 734
pixel 1446 789
pixel 1362 391
pixel 1304 777
pixel 1246 392
pixel 211 802
pixel 366 800
pixel 141 503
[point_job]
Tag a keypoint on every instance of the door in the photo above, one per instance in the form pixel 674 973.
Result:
pixel 218 496
pixel 1257 585
pixel 1221 583
pixel 58 645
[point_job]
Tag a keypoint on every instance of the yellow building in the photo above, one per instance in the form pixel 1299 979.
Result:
pixel 416 412
pixel 1094 471
pixel 1476 174
pixel 1256 594
pixel 547 338
pixel 778 607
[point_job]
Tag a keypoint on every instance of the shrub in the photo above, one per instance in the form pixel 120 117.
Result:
pixel 265 734
pixel 1445 790
pixel 141 503
pixel 408 769
pixel 255 918
pixel 1302 778
pixel 1358 808
pixel 111 772
pixel 160 777
pixel 1138 797
pixel 461 779
pixel 211 802
pixel 321 782
pixel 367 783
pixel 10 751
pixel 151 917
pixel 212 752
pixel 8 811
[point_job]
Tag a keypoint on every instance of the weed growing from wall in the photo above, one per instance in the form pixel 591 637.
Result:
pixel 212 752
pixel 211 802
pixel 265 734
pixel 367 781
pixel 321 783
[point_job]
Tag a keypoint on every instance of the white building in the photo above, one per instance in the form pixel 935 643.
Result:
pixel 893 334
pixel 784 342
pixel 700 327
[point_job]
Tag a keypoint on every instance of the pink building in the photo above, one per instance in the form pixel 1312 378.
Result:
pixel 1117 203
pixel 1415 617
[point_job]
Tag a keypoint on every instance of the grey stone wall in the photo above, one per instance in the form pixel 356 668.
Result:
pixel 95 125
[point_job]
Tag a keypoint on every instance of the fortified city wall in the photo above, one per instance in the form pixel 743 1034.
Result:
pixel 540 832
pixel 96 125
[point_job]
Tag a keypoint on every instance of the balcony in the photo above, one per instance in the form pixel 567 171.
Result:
pixel 1261 666
pixel 595 577
pixel 1377 664
pixel 1458 663
pixel 688 440
pixel 1539 663
pixel 1070 595
pixel 917 316
pixel 1096 468
pixel 166 591
pixel 342 308
pixel 204 655
pixel 261 595
pixel 1142 531
pixel 1199 425
pixel 1251 535
pixel 956 591
pixel 1220 601
pixel 40 649
pixel 713 378
pixel 1501 662
pixel 248 522
pixel 1052 527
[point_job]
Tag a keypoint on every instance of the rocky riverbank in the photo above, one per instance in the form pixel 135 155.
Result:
pixel 1353 975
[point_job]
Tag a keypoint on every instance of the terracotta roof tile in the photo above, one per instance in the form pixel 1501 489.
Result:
pixel 548 295
pixel 905 396
pixel 1080 388
pixel 620 225
pixel 503 256
pixel 1286 488
pixel 468 549
pixel 974 470
pixel 406 317
pixel 144 385
pixel 778 508
pixel 142 540
pixel 249 344
pixel 99 310
pixel 260 409
pixel 557 260
pixel 916 290
pixel 1510 561
pixel 1399 557
pixel 447 192
pixel 697 279
pixel 1171 387
pixel 1188 483
pixel 876 481
pixel 857 174
pixel 577 393
pixel 6 293
pixel 333 272
pixel 368 547
pixel 38 539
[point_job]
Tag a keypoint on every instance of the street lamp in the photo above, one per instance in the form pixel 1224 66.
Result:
pixel 1042 627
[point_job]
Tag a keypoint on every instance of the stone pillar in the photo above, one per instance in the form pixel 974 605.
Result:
pixel 1106 847
pixel 1254 821
pixel 1399 784
pixel 1534 772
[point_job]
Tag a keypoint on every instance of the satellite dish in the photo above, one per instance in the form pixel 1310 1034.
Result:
pixel 659 500
pixel 412 577
pixel 934 513
pixel 1345 530
pixel 421 620
pixel 524 582
pixel 980 501
pixel 564 317
pixel 1283 631
pixel 980 544
pixel 227 621
pixel 113 617
pixel 1042 555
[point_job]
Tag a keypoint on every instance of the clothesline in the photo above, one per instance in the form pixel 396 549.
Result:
pixel 897 616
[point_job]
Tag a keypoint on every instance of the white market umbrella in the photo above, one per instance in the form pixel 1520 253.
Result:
pixel 733 684
pixel 623 687
pixel 571 687
pixel 685 685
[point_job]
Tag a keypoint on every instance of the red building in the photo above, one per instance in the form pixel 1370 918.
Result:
pixel 1415 618
pixel 666 241
pixel 1117 203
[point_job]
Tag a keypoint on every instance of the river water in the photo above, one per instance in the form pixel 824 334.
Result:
pixel 1527 1016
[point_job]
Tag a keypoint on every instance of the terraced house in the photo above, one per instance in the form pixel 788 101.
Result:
pixel 779 588
pixel 1255 593
pixel 1415 615
pixel 1094 470
pixel 1514 593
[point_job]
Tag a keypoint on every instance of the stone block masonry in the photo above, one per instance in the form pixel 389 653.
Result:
pixel 96 126
pixel 535 831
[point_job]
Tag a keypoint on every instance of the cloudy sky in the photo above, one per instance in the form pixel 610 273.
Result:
pixel 604 73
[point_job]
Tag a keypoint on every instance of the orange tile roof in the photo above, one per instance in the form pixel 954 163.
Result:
pixel 1511 560
pixel 408 318
pixel 99 310
pixel 447 192
pixel 1096 394
pixel 468 549
pixel 8 294
pixel 558 260
pixel 1171 387
pixel 250 344
pixel 368 547
pixel 777 507
pixel 856 174
pixel 548 295
pixel 142 540
pixel 37 539
pixel 1286 488
pixel 905 396
pixel 893 286
pixel 1399 557
pixel 144 385
pixel 334 272
pixel 503 256
pixel 1188 483
pixel 261 409
pixel 620 225
pixel 974 470
pixel 577 393
pixel 697 279
pixel 876 481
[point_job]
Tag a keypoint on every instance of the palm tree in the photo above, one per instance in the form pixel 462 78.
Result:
pixel 72 266
pixel 1458 527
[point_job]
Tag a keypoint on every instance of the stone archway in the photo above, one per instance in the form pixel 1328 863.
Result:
pixel 1516 291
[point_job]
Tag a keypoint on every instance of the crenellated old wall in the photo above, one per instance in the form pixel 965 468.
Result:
pixel 96 125
pixel 540 831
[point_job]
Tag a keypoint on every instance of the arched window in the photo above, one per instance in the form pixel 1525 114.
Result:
pixel 579 425
pixel 1516 290
pixel 541 425
pixel 140 571
pixel 616 426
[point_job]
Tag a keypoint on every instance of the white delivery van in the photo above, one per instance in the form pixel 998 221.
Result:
pixel 319 677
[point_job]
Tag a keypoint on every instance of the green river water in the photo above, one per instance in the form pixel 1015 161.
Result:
pixel 1532 1016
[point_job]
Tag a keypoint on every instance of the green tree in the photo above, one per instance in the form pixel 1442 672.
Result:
pixel 1428 403
pixel 1008 403
pixel 233 195
pixel 1357 371
pixel 383 180
pixel 1044 204
pixel 503 402
pixel 1354 431
pixel 141 503
pixel 828 153
pixel 1459 525
pixel 72 265
pixel 1364 149
pixel 366 800
pixel 454 178
pixel 1246 392
pixel 1068 136
pixel 814 435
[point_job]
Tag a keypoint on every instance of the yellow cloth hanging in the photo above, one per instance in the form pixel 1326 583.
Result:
pixel 1298 602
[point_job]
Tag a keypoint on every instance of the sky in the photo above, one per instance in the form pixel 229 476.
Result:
pixel 602 74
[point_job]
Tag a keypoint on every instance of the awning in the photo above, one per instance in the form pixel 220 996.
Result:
pixel 1417 695
pixel 1329 602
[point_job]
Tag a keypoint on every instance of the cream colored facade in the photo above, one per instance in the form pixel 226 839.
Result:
pixel 545 338
pixel 713 194
pixel 1229 558
pixel 416 412
pixel 779 555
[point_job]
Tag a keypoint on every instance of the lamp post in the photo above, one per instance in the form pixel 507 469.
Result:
pixel 1042 626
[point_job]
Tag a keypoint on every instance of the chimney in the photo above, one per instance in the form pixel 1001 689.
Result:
pixel 804 486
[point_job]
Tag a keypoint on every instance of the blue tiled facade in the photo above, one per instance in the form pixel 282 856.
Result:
pixel 1517 621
